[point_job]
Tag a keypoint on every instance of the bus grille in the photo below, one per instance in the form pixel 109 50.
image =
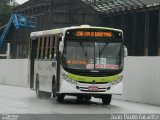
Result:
pixel 92 88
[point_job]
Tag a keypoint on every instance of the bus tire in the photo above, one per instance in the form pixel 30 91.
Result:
pixel 60 98
pixel 79 98
pixel 106 99
pixel 54 86
pixel 87 98
pixel 39 93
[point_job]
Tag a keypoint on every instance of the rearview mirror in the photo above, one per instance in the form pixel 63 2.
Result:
pixel 61 46
pixel 125 51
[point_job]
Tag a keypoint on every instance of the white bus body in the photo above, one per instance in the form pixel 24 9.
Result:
pixel 49 77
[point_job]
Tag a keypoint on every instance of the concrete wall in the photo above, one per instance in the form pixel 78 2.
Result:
pixel 141 80
pixel 141 77
pixel 14 72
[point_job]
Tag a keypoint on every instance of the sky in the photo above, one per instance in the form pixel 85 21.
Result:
pixel 21 1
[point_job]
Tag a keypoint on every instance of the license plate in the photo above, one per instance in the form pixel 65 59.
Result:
pixel 93 88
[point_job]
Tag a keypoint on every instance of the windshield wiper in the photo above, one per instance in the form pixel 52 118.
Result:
pixel 100 52
pixel 85 52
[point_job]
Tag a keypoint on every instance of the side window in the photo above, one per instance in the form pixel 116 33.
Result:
pixel 39 48
pixel 34 47
pixel 36 43
pixel 52 47
pixel 46 56
pixel 42 48
pixel 46 47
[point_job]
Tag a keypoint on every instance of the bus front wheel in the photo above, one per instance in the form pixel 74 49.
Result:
pixel 60 98
pixel 87 98
pixel 106 99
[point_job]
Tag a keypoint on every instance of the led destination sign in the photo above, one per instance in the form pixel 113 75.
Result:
pixel 93 34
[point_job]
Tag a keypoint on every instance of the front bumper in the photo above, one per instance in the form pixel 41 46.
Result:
pixel 83 88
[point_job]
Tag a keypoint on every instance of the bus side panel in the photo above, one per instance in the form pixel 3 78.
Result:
pixel 45 72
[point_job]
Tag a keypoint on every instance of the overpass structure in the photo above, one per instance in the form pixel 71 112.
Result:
pixel 116 6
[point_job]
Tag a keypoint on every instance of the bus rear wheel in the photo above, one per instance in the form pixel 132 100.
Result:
pixel 38 92
pixel 54 86
pixel 106 99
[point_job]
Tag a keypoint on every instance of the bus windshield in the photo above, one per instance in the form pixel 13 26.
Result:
pixel 92 55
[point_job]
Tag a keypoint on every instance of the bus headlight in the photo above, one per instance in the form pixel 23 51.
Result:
pixel 117 81
pixel 65 77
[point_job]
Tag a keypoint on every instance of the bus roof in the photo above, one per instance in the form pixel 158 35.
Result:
pixel 62 30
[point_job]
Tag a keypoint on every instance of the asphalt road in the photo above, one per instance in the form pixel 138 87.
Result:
pixel 17 100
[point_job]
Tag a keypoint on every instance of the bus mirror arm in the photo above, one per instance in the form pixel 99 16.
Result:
pixel 125 51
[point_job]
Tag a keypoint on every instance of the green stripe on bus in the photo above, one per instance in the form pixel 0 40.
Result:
pixel 96 79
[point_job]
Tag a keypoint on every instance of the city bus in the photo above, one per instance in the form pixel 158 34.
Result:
pixel 82 61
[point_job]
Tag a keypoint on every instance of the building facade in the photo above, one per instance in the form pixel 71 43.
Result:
pixel 51 14
pixel 141 25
